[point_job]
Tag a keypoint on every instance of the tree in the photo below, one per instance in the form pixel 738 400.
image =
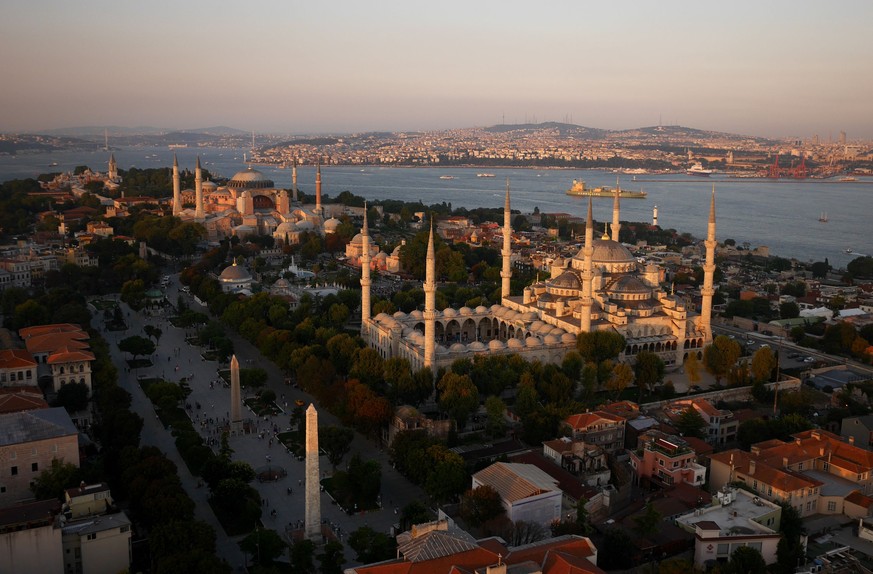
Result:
pixel 720 356
pixel 692 369
pixel 690 423
pixel 73 397
pixel 789 310
pixel 51 482
pixel 302 553
pixel 481 504
pixel 136 346
pixel 648 370
pixel 621 377
pixel 751 431
pixel 372 546
pixel 647 522
pixel 458 396
pixel 448 476
pixel 820 269
pixel 494 407
pixel 264 546
pixel 336 442
pixel 617 552
pixel 676 566
pixel 763 364
pixel 153 333
pixel 746 560
pixel 331 558
pixel 599 346
pixel 790 549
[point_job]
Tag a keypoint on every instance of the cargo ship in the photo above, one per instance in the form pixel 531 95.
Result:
pixel 578 188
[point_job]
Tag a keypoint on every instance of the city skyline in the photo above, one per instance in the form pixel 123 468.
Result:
pixel 777 70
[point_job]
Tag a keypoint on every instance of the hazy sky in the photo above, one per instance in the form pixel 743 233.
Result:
pixel 770 68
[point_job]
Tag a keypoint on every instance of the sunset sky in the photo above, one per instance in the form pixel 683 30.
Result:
pixel 775 68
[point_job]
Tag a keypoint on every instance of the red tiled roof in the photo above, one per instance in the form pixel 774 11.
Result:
pixel 860 499
pixel 51 342
pixel 17 402
pixel 67 356
pixel 16 359
pixel 28 332
pixel 584 420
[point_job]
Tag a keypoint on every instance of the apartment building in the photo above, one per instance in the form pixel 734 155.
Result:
pixel 599 428
pixel 666 460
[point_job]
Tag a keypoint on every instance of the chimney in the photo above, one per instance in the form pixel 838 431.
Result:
pixel 815 434
pixel 851 439
pixel 785 461
pixel 751 467
pixel 797 441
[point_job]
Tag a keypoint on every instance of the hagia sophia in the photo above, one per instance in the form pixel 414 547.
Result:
pixel 250 204
pixel 603 287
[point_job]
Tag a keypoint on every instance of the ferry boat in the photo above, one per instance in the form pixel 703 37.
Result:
pixel 848 179
pixel 447 177
pixel 578 188
pixel 698 170
pixel 484 175
pixel 178 146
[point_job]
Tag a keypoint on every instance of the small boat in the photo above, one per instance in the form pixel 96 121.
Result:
pixel 823 217
pixel 849 250
pixel 484 175
pixel 848 179
pixel 447 177
pixel 53 164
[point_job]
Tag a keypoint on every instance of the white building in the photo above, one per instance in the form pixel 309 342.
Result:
pixel 526 492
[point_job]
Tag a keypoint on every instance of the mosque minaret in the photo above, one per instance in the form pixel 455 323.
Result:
pixel 199 214
pixel 707 291
pixel 506 272
pixel 177 188
pixel 365 272
pixel 430 302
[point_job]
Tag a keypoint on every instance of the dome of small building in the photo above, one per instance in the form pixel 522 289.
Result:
pixel 449 312
pixel 481 309
pixel 529 316
pixel 536 325
pixel 416 314
pixel 532 342
pixel 465 311
pixel 286 227
pixel 381 317
pixel 399 315
pixel 281 283
pixel 496 345
pixel 550 340
pixel 250 179
pixel 557 332
pixel 357 239
pixel 568 338
pixel 440 350
pixel 458 348
pixel 496 307
pixel 235 272
pixel 476 346
pixel 305 225
pixel 208 185
pixel 514 344
pixel 331 225
pixel 405 412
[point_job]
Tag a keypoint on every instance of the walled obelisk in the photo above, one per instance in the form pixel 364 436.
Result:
pixel 312 518
pixel 235 416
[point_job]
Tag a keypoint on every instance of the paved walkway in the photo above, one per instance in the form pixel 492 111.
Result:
pixel 173 351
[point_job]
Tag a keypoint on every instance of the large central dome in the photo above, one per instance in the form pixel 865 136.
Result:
pixel 250 179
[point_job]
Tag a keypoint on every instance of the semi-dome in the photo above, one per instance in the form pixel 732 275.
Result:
pixel 440 350
pixel 550 340
pixel 629 284
pixel 208 185
pixel 281 283
pixel 250 179
pixel 286 227
pixel 566 280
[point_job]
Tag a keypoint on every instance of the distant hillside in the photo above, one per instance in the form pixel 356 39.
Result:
pixel 565 130
pixel 679 132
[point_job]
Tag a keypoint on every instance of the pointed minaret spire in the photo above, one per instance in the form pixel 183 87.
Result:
pixel 707 291
pixel 365 274
pixel 199 214
pixel 616 208
pixel 506 272
pixel 177 188
pixel 318 209
pixel 113 168
pixel 430 302
pixel 294 179
pixel 587 271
